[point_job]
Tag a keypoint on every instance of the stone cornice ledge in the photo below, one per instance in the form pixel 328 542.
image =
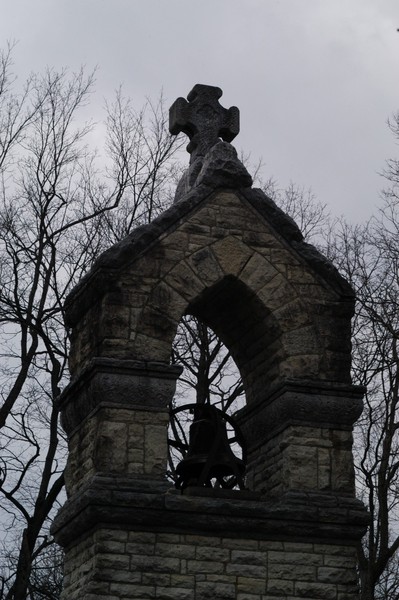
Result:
pixel 302 402
pixel 143 385
pixel 146 505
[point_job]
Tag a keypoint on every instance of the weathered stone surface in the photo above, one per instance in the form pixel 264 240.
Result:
pixel 332 406
pixel 106 269
pixel 142 564
pixel 107 381
pixel 222 168
pixel 228 255
pixel 231 254
pixel 134 501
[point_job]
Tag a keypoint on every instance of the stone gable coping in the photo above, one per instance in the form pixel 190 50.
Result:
pixel 100 279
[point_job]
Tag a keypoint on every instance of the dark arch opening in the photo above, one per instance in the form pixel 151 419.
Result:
pixel 210 378
pixel 210 374
pixel 248 330
pixel 252 338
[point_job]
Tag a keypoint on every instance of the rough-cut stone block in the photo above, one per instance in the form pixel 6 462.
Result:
pixel 242 544
pixel 301 341
pixel 208 590
pixel 276 292
pixel 251 585
pixel 155 449
pixel 182 581
pixel 132 590
pixel 111 447
pixel 203 540
pixel 334 575
pixel 157 579
pixel 140 548
pixel 280 587
pixel 174 593
pixel 315 590
pixel 113 561
pixel 204 566
pixel 164 298
pixel 205 265
pixel 121 575
pixel 300 467
pixel 292 572
pixel 248 557
pixel 151 348
pixel 245 570
pixel 176 550
pixel 295 558
pixel 258 272
pixel 340 561
pixel 115 322
pixel 231 254
pixel 185 281
pixel 110 546
pixel 154 563
pixel 212 553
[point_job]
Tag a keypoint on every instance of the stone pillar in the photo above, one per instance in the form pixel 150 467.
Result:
pixel 300 438
pixel 116 416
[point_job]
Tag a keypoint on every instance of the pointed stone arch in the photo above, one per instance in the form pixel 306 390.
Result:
pixel 144 298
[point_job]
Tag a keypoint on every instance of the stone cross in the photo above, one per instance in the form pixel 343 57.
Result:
pixel 203 119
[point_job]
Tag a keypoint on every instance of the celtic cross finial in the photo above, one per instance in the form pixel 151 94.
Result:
pixel 203 119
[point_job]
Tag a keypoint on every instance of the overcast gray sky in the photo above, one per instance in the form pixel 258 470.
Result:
pixel 315 80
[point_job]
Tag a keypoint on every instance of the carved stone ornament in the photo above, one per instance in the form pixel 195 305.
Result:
pixel 203 119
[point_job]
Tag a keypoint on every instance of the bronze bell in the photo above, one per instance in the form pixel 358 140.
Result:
pixel 209 456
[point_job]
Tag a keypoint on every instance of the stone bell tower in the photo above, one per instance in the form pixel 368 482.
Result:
pixel 225 253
